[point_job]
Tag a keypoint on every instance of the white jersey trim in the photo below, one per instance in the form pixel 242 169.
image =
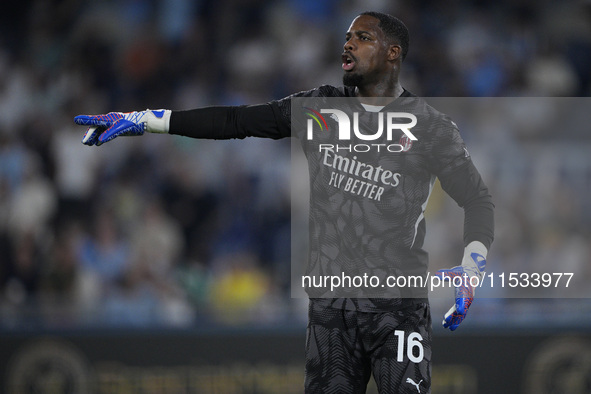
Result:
pixel 423 207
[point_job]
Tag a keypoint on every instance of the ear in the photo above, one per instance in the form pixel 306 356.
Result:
pixel 394 52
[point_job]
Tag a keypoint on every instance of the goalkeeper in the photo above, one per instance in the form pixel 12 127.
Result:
pixel 349 338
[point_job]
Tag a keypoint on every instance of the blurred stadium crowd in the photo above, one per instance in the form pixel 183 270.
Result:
pixel 170 231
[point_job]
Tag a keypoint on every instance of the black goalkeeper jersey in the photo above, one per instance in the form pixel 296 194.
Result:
pixel 366 208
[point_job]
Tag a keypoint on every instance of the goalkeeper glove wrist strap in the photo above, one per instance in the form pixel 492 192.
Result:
pixel 158 121
pixel 474 260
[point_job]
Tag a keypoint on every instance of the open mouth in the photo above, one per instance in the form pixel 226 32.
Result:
pixel 348 62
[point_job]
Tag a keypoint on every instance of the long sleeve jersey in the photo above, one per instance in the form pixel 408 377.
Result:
pixel 366 208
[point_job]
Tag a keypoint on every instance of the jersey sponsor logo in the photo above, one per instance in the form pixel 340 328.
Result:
pixel 359 178
pixel 357 168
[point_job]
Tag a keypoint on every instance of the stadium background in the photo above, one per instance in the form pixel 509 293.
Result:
pixel 163 262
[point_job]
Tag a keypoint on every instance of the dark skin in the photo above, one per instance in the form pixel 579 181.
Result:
pixel 371 61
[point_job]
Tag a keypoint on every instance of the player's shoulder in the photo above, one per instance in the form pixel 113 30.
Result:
pixel 421 105
pixel 283 106
pixel 327 91
pixel 437 120
pixel 322 91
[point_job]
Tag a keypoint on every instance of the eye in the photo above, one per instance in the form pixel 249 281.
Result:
pixel 365 38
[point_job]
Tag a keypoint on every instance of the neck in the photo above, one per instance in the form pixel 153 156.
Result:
pixel 379 94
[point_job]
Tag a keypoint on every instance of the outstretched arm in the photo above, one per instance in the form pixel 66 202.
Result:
pixel 263 120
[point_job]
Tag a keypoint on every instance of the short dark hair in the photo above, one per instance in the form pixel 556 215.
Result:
pixel 393 28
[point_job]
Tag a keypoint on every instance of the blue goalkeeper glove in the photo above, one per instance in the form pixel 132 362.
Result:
pixel 473 265
pixel 104 128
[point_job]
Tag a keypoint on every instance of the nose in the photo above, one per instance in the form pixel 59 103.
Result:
pixel 348 44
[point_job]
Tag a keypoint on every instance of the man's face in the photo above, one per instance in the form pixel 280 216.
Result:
pixel 366 52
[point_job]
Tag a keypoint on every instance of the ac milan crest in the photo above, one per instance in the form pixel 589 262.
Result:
pixel 406 143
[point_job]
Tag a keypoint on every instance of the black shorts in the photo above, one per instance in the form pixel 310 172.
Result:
pixel 343 349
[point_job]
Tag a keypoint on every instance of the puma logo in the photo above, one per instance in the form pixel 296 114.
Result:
pixel 409 380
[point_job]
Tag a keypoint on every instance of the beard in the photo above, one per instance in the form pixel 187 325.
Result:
pixel 352 79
